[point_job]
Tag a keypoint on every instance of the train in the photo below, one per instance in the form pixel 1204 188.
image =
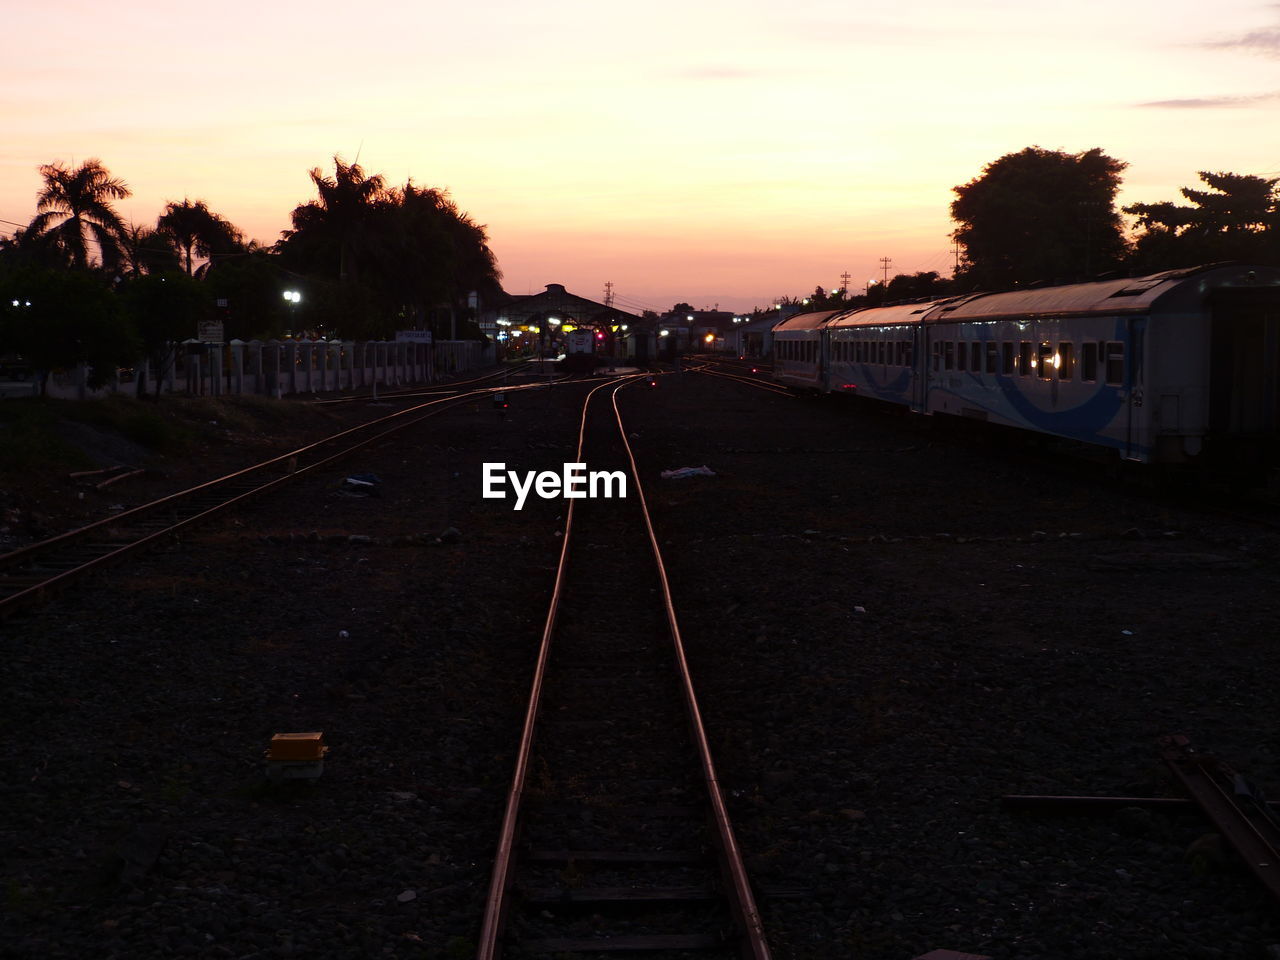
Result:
pixel 583 350
pixel 1181 366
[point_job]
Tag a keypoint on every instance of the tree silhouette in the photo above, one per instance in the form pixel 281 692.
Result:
pixel 147 251
pixel 197 230
pixel 1039 215
pixel 73 208
pixel 1235 220
pixel 336 224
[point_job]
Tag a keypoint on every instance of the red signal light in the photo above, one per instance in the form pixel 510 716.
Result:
pixel 599 336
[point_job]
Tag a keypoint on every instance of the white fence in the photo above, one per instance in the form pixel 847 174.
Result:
pixel 283 367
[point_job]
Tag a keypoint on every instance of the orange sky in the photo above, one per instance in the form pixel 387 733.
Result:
pixel 706 151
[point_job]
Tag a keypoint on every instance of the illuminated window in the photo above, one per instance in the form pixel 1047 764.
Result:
pixel 1044 360
pixel 1066 362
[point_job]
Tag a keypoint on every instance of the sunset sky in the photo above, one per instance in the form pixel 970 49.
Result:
pixel 703 150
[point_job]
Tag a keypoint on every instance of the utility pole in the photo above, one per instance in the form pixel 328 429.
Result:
pixel 885 261
pixel 608 293
pixel 844 282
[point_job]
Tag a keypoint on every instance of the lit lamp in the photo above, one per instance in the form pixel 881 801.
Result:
pixel 293 298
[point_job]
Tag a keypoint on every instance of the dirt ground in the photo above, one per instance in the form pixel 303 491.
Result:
pixel 891 624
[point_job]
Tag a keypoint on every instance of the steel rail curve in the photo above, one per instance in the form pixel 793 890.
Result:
pixel 35 585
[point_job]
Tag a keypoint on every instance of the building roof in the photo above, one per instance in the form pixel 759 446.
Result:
pixel 558 302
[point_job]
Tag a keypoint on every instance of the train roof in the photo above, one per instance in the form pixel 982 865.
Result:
pixel 1169 291
pixel 805 321
pixel 898 313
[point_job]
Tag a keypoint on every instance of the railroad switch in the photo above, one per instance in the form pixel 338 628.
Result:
pixel 296 756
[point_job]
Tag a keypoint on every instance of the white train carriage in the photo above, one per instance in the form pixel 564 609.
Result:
pixel 1155 367
pixel 799 358
pixel 1170 367
pixel 872 352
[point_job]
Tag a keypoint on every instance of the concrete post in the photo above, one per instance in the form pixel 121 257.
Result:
pixel 237 367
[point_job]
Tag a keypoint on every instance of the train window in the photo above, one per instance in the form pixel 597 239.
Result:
pixel 962 356
pixel 975 357
pixel 949 355
pixel 902 353
pixel 993 356
pixel 1066 362
pixel 1089 362
pixel 1024 358
pixel 1115 362
pixel 908 353
pixel 880 352
pixel 1006 364
pixel 1044 360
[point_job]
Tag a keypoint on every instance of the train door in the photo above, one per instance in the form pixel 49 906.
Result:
pixel 1135 378
pixel 1244 369
pixel 919 367
pixel 824 359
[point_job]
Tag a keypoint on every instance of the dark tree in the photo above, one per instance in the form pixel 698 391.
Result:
pixel 57 319
pixel 164 310
pixel 198 231
pixel 1039 215
pixel 386 259
pixel 73 209
pixel 148 251
pixel 1236 219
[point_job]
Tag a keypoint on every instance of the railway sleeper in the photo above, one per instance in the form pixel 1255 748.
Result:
pixel 628 943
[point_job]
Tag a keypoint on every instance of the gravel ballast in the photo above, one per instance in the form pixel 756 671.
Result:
pixel 891 624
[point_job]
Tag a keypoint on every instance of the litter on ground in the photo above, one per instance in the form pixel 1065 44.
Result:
pixel 681 472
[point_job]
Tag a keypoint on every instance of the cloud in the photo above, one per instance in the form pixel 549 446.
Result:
pixel 1265 42
pixel 1203 103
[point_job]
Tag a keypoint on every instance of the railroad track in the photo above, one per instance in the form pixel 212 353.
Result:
pixel 29 574
pixel 757 377
pixel 615 836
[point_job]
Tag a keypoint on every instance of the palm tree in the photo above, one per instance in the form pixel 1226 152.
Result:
pixel 198 230
pixel 73 209
pixel 339 217
pixel 148 251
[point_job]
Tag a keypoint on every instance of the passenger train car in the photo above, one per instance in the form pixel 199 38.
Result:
pixel 1174 367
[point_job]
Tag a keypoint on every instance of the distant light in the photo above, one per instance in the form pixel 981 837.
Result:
pixel 710 337
pixel 553 321
pixel 293 296
pixel 664 333
pixel 624 326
